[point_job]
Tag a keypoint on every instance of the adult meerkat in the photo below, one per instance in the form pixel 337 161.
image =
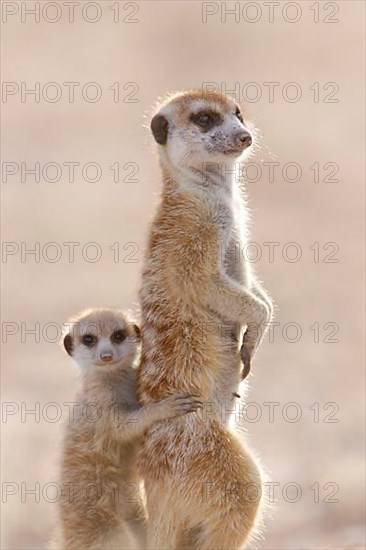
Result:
pixel 101 505
pixel 197 293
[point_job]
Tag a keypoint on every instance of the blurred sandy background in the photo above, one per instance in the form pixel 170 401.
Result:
pixel 170 48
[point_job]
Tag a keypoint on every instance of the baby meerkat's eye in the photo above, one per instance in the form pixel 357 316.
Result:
pixel 239 115
pixel 89 340
pixel 118 336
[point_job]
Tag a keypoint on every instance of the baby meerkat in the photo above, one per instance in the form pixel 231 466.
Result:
pixel 197 295
pixel 102 505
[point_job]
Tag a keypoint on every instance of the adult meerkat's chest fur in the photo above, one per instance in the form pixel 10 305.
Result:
pixel 232 215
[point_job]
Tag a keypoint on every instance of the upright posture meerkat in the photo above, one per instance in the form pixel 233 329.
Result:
pixel 101 505
pixel 197 294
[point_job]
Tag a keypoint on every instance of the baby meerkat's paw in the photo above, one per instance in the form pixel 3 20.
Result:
pixel 179 404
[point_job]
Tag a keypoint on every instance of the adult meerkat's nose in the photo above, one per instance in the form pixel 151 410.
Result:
pixel 106 356
pixel 243 139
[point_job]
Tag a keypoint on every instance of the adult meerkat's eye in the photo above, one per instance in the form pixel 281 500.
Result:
pixel 239 115
pixel 118 336
pixel 206 120
pixel 203 120
pixel 89 340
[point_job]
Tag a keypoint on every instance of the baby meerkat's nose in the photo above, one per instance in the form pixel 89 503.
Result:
pixel 244 139
pixel 106 356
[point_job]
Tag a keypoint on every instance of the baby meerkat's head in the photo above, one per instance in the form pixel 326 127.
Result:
pixel 102 338
pixel 198 127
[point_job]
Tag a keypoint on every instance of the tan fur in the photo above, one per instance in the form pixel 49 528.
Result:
pixel 197 294
pixel 105 509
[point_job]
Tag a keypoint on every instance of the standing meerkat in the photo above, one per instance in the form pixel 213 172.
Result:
pixel 101 505
pixel 197 294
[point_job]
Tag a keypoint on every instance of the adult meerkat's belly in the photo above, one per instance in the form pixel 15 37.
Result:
pixel 237 270
pixel 229 376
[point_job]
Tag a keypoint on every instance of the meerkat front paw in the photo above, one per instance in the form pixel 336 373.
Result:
pixel 178 405
pixel 253 336
pixel 248 348
pixel 246 353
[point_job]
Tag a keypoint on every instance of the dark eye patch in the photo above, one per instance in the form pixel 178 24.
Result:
pixel 206 120
pixel 89 340
pixel 118 336
pixel 239 115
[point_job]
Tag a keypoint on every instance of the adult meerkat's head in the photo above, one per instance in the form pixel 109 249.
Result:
pixel 197 127
pixel 102 338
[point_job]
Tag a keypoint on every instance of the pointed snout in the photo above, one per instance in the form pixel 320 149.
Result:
pixel 243 139
pixel 106 356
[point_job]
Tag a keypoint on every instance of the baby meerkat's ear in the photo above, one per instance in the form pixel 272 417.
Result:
pixel 159 127
pixel 68 344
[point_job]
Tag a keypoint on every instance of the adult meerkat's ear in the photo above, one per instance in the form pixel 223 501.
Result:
pixel 159 127
pixel 68 344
